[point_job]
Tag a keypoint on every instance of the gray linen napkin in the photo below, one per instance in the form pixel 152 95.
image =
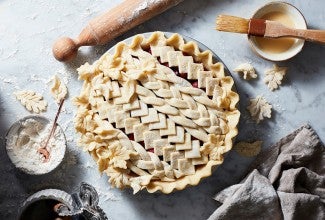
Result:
pixel 285 182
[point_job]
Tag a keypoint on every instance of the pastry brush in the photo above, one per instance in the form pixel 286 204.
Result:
pixel 266 28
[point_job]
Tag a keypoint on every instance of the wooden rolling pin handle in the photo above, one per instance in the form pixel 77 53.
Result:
pixel 111 24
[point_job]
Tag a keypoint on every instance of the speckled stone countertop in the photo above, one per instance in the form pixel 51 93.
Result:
pixel 27 32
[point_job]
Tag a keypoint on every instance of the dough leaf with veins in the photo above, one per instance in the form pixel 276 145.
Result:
pixel 32 101
pixel 58 89
pixel 247 149
pixel 274 76
pixel 259 108
pixel 247 70
pixel 118 177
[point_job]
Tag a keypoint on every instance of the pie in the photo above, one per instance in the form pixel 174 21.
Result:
pixel 157 114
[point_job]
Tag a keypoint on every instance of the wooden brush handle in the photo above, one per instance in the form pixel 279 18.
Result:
pixel 276 29
pixel 317 36
pixel 111 24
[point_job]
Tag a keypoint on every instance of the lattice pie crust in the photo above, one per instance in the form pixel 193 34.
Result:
pixel 157 114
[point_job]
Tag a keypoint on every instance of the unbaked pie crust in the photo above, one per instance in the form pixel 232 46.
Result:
pixel 157 114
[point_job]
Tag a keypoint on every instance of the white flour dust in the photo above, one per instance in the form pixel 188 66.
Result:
pixel 144 6
pixel 24 141
pixel 140 10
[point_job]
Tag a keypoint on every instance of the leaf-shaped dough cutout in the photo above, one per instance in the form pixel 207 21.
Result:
pixel 85 71
pixel 32 101
pixel 137 183
pixel 274 76
pixel 259 108
pixel 247 149
pixel 247 70
pixel 58 89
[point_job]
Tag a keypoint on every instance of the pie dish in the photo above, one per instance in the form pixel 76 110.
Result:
pixel 156 113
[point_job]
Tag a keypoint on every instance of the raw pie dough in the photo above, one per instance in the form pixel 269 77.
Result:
pixel 58 90
pixel 273 77
pixel 259 108
pixel 247 70
pixel 157 114
pixel 31 100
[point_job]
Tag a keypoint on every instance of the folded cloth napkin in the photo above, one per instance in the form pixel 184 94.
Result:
pixel 285 182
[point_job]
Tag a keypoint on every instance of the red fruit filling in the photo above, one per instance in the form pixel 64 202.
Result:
pixel 165 64
pixel 183 75
pixel 131 137
pixel 195 84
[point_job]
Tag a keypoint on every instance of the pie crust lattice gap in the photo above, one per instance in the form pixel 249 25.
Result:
pixel 157 114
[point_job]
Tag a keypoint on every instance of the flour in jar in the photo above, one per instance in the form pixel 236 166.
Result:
pixel 24 140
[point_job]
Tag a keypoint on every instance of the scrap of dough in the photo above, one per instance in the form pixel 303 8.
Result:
pixel 32 101
pixel 247 149
pixel 58 89
pixel 273 77
pixel 247 70
pixel 259 108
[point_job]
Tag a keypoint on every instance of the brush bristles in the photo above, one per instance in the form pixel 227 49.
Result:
pixel 232 24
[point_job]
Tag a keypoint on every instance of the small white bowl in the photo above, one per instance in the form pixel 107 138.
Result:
pixel 11 139
pixel 297 18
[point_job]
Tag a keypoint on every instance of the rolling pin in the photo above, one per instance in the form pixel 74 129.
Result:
pixel 111 24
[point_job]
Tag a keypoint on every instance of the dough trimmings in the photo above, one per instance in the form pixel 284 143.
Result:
pixel 247 70
pixel 157 114
pixel 58 90
pixel 31 100
pixel 259 108
pixel 247 149
pixel 273 77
